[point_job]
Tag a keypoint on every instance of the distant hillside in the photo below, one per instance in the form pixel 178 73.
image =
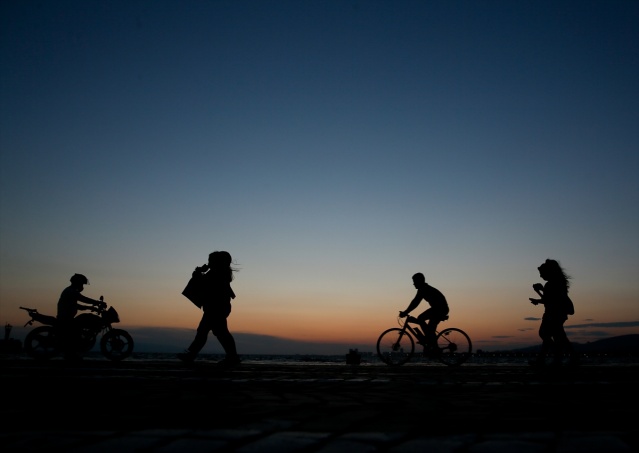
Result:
pixel 623 344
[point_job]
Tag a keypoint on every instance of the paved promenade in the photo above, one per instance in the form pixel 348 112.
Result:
pixel 166 406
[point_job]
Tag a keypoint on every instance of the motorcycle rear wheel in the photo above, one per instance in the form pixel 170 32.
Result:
pixel 40 343
pixel 116 345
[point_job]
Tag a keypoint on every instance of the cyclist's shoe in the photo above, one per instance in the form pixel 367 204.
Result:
pixel 186 356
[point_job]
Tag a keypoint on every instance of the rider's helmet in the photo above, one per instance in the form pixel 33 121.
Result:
pixel 79 279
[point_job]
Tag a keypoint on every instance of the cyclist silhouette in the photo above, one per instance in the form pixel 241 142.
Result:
pixel 430 318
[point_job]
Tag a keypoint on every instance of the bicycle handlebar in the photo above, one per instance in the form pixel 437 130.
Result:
pixel 408 318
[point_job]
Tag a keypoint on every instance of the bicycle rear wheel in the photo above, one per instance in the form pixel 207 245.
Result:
pixel 454 346
pixel 395 346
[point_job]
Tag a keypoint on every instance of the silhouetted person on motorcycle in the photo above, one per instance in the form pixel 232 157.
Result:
pixel 429 319
pixel 71 301
pixel 217 276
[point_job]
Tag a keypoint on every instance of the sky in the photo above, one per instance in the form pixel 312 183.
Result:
pixel 334 149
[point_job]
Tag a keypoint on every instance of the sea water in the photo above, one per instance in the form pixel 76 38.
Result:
pixel 369 359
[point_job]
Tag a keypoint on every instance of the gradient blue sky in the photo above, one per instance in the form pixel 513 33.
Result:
pixel 334 148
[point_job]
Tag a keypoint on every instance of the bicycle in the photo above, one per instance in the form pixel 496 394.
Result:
pixel 396 346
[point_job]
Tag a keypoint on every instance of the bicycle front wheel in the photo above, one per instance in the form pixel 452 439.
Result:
pixel 454 346
pixel 395 346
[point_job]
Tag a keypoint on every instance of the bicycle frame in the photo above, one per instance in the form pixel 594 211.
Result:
pixel 418 334
pixel 396 346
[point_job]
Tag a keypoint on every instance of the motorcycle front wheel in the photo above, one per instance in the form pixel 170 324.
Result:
pixel 40 343
pixel 116 344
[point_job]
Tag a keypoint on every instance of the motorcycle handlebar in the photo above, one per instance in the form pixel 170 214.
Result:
pixel 31 311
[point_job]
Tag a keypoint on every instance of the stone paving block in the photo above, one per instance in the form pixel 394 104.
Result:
pixel 229 434
pixel 130 443
pixel 162 432
pixel 379 437
pixel 284 442
pixel 593 444
pixel 43 441
pixel 193 445
pixel 268 425
pixel 508 446
pixel 348 446
pixel 534 436
pixel 430 445
pixel 347 420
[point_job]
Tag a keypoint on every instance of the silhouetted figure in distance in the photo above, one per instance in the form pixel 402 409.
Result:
pixel 430 318
pixel 71 301
pixel 554 296
pixel 218 275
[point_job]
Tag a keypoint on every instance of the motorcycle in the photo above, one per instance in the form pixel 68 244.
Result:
pixel 115 344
